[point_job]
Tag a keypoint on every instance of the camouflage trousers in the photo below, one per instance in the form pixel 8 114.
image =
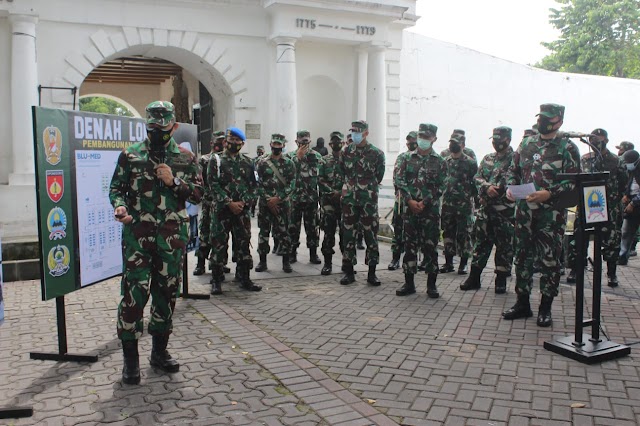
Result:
pixel 356 219
pixel 276 224
pixel 457 227
pixel 610 236
pixel 307 211
pixel 538 233
pixel 397 242
pixel 330 223
pixel 493 227
pixel 152 267
pixel 421 232
pixel 205 224
pixel 238 225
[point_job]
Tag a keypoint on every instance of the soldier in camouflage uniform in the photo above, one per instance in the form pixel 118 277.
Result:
pixel 616 186
pixel 305 197
pixel 457 206
pixel 330 184
pixel 233 187
pixel 259 153
pixel 152 181
pixel 421 181
pixel 277 177
pixel 397 242
pixel 363 167
pixel 217 146
pixel 624 147
pixel 494 219
pixel 463 142
pixel 540 219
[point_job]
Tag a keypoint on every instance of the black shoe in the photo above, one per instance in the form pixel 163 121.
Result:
pixel 544 312
pixel 612 279
pixel 395 263
pixel 131 367
pixel 245 281
pixel 286 265
pixel 473 282
pixel 501 282
pixel 633 253
pixel 348 276
pixel 160 357
pixel 409 286
pixel 216 281
pixel 313 256
pixel 462 268
pixel 226 270
pixel 293 257
pixel 522 309
pixel 199 270
pixel 262 265
pixel 448 265
pixel 372 279
pixel 571 278
pixel 202 255
pixel 622 261
pixel 216 287
pixel 327 268
pixel 432 290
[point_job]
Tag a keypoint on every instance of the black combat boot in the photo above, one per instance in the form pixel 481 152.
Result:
pixel 348 276
pixel 245 280
pixel 216 280
pixel 372 279
pixel 160 356
pixel 395 262
pixel 448 265
pixel 432 290
pixel 409 286
pixel 226 270
pixel 131 368
pixel 473 282
pixel 462 268
pixel 286 265
pixel 262 265
pixel 522 309
pixel 544 312
pixel 611 273
pixel 501 282
pixel 327 268
pixel 571 278
pixel 313 256
pixel 293 257
pixel 203 254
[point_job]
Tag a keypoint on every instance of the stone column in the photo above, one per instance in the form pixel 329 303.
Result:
pixel 377 97
pixel 24 94
pixel 286 89
pixel 363 59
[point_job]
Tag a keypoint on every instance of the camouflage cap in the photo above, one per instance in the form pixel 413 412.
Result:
pixel 627 146
pixel 336 134
pixel 501 132
pixel 427 128
pixel 219 134
pixel 600 132
pixel 278 138
pixel 161 113
pixel 551 110
pixel 303 133
pixel 260 147
pixel 456 138
pixel 234 131
pixel 359 126
pixel 459 132
pixel 529 132
pixel 412 135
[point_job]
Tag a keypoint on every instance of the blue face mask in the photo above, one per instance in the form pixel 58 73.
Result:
pixel 356 138
pixel 424 144
pixel 631 167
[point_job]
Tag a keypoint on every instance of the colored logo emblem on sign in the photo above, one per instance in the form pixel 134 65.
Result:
pixel 596 206
pixel 52 139
pixel 55 185
pixel 58 260
pixel 57 224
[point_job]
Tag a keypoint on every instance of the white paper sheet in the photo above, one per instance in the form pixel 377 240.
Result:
pixel 520 192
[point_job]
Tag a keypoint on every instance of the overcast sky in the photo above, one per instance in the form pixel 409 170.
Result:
pixel 508 29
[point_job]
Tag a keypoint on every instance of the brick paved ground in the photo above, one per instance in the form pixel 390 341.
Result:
pixel 309 351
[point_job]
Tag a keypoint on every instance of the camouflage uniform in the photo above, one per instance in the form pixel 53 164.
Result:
pixel 330 184
pixel 467 151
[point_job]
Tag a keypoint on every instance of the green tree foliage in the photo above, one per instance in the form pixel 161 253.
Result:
pixel 103 106
pixel 600 37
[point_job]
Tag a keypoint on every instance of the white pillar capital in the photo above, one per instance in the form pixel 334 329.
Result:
pixel 284 39
pixel 22 24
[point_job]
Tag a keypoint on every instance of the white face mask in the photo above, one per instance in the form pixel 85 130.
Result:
pixel 424 143
pixel 631 166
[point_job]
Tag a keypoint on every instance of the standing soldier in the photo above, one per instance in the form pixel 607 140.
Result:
pixel 457 206
pixel 539 219
pixel 259 154
pixel 363 168
pixel 233 187
pixel 463 142
pixel 421 181
pixel 494 219
pixel 152 181
pixel 276 175
pixel 604 161
pixel 397 243
pixel 305 197
pixel 330 182
pixel 217 146
pixel 624 147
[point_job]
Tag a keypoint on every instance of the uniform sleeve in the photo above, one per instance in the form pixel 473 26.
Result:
pixel 260 167
pixel 570 164
pixel 291 178
pixel 252 184
pixel 324 180
pixel 441 182
pixel 401 182
pixel 473 170
pixel 218 194
pixel 380 167
pixel 482 181
pixel 120 184
pixel 191 188
pixel 514 172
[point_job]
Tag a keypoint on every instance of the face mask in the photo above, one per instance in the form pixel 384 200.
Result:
pixel 158 137
pixel 631 166
pixel 412 146
pixel 276 151
pixel 545 126
pixel 455 148
pixel 357 138
pixel 499 145
pixel 234 148
pixel 424 144
pixel 336 146
pixel 218 147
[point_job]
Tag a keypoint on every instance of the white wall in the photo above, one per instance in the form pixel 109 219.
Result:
pixel 455 87
pixel 6 151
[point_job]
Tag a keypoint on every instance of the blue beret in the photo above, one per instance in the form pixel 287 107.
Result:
pixel 234 131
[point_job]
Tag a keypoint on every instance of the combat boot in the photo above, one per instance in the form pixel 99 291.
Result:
pixel 473 282
pixel 131 367
pixel 226 270
pixel 544 312
pixel 395 262
pixel 448 265
pixel 348 276
pixel 501 282
pixel 611 273
pixel 327 268
pixel 262 265
pixel 432 290
pixel 313 256
pixel 571 278
pixel 372 279
pixel 203 253
pixel 216 281
pixel 160 356
pixel 462 268
pixel 522 309
pixel 409 286
pixel 293 257
pixel 286 265
pixel 245 280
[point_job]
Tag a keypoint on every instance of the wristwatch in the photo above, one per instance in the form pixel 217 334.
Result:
pixel 176 181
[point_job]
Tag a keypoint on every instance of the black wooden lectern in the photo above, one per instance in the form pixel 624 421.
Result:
pixel 592 215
